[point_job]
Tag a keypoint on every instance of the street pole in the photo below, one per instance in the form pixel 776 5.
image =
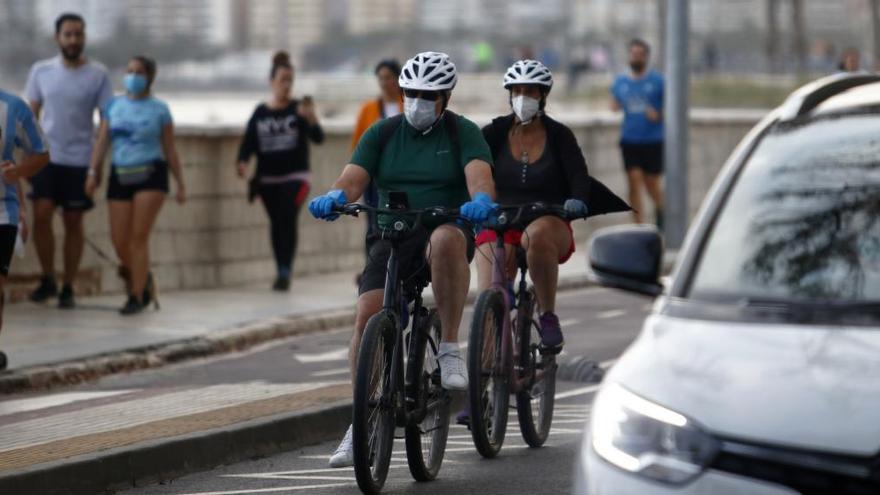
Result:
pixel 675 119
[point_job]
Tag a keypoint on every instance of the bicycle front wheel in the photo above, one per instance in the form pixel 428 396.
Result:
pixel 426 441
pixel 534 405
pixel 374 394
pixel 489 392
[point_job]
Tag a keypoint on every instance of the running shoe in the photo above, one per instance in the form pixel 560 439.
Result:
pixel 45 290
pixel 344 455
pixel 551 333
pixel 65 299
pixel 132 307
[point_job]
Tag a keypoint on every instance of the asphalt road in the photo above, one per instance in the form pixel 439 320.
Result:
pixel 598 323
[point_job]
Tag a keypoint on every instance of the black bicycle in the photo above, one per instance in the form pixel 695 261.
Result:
pixel 504 356
pixel 398 376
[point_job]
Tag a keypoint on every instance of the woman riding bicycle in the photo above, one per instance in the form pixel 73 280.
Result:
pixel 538 159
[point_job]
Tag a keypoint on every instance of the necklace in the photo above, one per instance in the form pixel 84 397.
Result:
pixel 524 154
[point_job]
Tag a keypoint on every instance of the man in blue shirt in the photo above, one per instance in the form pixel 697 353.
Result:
pixel 18 129
pixel 640 96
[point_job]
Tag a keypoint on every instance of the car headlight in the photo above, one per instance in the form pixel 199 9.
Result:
pixel 647 439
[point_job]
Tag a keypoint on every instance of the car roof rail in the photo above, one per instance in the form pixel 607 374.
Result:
pixel 808 97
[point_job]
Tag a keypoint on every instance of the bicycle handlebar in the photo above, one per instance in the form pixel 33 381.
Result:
pixel 504 220
pixel 436 212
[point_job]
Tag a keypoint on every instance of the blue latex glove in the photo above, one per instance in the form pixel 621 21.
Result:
pixel 575 208
pixel 322 206
pixel 479 209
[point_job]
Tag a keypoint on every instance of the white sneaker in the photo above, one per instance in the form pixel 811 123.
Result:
pixel 453 372
pixel 344 455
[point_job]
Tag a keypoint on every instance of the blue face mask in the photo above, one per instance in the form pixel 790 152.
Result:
pixel 135 83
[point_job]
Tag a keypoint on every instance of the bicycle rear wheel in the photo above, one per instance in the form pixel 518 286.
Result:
pixel 374 401
pixel 534 405
pixel 426 441
pixel 489 393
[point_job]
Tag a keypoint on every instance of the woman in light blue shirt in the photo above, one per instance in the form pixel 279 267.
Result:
pixel 139 129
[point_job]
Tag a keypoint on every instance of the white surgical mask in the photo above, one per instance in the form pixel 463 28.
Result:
pixel 420 113
pixel 525 107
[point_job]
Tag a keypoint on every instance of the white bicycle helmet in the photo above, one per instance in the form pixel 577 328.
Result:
pixel 528 72
pixel 428 71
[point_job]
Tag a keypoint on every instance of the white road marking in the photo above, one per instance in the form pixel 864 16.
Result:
pixel 334 371
pixel 569 322
pixel 340 354
pixel 37 403
pixel 576 392
pixel 614 313
pixel 271 490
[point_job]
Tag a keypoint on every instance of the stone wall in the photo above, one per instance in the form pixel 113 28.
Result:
pixel 217 239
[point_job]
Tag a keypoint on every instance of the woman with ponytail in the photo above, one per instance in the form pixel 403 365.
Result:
pixel 138 128
pixel 278 133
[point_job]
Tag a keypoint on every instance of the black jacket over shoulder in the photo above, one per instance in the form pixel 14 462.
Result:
pixel 573 174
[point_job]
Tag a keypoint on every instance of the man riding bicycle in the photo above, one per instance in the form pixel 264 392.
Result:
pixel 436 158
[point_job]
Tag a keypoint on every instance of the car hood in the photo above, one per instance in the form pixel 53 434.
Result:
pixel 810 387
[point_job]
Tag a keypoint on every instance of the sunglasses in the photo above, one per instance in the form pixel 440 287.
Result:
pixel 425 95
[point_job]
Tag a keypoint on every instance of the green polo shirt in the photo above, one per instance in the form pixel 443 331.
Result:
pixel 421 165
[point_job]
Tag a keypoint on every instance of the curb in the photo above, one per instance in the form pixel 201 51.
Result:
pixel 153 356
pixel 76 371
pixel 163 459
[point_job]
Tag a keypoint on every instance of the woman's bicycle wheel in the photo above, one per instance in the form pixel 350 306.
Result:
pixel 373 417
pixel 534 405
pixel 426 441
pixel 489 388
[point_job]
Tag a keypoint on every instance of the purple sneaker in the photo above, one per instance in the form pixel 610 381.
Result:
pixel 551 333
pixel 464 417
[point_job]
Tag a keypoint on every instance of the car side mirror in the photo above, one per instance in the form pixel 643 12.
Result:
pixel 628 257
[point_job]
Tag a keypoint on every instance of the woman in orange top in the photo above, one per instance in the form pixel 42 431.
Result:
pixel 389 103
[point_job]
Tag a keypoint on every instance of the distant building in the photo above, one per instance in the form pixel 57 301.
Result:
pixel 377 16
pixel 209 21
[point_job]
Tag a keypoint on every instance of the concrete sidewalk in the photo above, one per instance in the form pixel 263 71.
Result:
pixel 35 335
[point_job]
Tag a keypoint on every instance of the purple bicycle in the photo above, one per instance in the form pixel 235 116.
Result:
pixel 504 357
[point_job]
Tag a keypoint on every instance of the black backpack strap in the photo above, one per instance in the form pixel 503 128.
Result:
pixel 450 122
pixel 381 107
pixel 389 126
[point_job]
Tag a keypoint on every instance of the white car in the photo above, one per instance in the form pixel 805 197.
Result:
pixel 758 371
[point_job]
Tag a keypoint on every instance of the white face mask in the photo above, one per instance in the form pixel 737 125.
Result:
pixel 420 113
pixel 525 107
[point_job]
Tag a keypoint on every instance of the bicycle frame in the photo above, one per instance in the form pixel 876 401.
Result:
pixel 510 356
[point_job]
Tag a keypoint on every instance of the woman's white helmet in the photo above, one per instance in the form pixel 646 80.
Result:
pixel 528 72
pixel 428 71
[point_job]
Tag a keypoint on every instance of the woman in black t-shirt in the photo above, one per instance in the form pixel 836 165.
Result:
pixel 278 133
pixel 538 159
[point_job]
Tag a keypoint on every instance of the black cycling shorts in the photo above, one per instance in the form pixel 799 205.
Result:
pixel 63 185
pixel 647 157
pixel 156 181
pixel 414 267
pixel 8 233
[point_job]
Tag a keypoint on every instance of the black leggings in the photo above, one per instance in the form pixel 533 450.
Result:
pixel 283 202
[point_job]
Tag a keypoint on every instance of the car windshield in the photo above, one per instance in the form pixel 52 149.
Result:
pixel 802 223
